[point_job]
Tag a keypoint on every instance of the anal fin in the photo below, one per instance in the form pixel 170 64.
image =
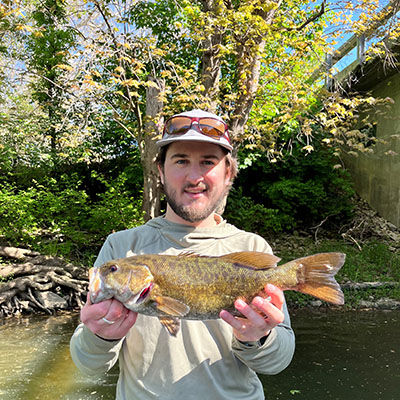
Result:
pixel 171 324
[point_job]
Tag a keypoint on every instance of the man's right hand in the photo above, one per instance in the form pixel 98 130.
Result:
pixel 109 319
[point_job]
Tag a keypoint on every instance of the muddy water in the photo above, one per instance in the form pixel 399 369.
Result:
pixel 339 355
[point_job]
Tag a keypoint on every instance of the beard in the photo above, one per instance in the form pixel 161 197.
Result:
pixel 189 212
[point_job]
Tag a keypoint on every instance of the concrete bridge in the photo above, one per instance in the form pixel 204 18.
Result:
pixel 376 175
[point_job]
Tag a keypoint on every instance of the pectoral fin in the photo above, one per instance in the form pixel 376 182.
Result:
pixel 171 324
pixel 171 306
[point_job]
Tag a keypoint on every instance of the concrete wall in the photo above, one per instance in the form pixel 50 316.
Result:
pixel 377 176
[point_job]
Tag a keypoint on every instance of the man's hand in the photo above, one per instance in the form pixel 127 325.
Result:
pixel 261 315
pixel 108 319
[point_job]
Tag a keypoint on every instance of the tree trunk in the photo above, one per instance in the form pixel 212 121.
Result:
pixel 211 59
pixel 249 60
pixel 148 149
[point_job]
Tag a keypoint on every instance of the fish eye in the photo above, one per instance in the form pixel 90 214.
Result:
pixel 113 268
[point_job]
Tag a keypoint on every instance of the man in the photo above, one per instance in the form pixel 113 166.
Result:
pixel 216 359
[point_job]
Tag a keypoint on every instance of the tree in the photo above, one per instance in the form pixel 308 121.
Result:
pixel 138 61
pixel 48 51
pixel 208 54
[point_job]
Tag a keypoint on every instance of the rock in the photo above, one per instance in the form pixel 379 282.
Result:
pixel 316 303
pixel 382 304
pixel 388 304
pixel 51 300
pixel 367 304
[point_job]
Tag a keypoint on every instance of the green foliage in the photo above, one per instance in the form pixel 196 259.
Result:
pixel 60 218
pixel 243 212
pixel 117 209
pixel 48 52
pixel 303 190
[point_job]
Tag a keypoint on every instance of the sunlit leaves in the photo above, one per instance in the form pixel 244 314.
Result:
pixel 262 54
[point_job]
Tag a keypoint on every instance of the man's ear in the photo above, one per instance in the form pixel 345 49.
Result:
pixel 228 176
pixel 161 173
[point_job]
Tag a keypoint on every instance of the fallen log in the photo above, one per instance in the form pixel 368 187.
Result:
pixel 31 282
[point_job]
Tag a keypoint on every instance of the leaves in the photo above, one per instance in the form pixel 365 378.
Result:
pixel 86 71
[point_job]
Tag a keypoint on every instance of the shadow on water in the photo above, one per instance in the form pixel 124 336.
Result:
pixel 339 355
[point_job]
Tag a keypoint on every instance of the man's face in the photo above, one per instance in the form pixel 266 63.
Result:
pixel 195 179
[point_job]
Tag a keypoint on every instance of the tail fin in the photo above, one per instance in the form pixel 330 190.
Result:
pixel 318 273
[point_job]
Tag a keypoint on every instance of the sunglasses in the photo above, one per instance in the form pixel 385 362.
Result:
pixel 213 127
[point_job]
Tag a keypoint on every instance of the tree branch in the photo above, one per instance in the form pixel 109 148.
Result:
pixel 312 18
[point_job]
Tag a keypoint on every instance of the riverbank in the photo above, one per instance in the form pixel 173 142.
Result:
pixel 37 284
pixel 370 278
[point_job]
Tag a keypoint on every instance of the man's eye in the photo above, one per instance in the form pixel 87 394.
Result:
pixel 208 163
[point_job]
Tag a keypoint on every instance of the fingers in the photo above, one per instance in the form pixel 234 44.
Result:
pixel 230 319
pixel 108 319
pixel 260 316
pixel 276 295
pixel 256 318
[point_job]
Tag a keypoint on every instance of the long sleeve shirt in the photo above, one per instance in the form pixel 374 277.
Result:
pixel 204 360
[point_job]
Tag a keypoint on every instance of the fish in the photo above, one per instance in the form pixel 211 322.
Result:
pixel 197 287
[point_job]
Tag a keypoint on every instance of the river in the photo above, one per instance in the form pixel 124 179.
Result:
pixel 339 355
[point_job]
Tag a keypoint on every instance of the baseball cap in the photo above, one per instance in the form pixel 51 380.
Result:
pixel 198 126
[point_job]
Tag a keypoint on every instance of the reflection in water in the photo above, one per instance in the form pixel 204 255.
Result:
pixel 339 355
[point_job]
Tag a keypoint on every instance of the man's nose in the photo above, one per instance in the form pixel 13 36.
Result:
pixel 195 174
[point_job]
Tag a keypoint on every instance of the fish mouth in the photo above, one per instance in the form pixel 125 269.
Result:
pixel 96 286
pixel 142 295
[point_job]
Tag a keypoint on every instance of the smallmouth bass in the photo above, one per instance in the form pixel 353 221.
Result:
pixel 190 286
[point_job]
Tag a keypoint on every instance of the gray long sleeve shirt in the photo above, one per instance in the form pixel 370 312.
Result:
pixel 204 360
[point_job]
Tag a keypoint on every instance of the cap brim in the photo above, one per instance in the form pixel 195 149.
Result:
pixel 194 136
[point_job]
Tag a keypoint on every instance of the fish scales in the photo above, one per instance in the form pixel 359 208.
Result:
pixel 199 287
pixel 206 285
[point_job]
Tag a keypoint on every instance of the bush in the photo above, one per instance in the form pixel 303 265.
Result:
pixel 116 209
pixel 60 218
pixel 244 213
pixel 302 190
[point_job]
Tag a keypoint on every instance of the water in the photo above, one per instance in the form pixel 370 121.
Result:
pixel 339 355
pixel 35 362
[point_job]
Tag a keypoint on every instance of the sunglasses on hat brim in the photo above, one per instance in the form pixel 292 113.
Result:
pixel 212 127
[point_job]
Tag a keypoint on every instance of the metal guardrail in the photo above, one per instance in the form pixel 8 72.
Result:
pixel 358 41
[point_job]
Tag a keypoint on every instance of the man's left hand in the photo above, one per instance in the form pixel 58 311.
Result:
pixel 262 315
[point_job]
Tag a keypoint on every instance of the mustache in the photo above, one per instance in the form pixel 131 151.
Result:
pixel 201 186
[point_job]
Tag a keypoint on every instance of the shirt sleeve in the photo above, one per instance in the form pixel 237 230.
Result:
pixel 91 354
pixel 274 355
pixel 106 253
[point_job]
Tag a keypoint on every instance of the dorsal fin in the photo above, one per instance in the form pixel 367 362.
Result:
pixel 189 254
pixel 252 259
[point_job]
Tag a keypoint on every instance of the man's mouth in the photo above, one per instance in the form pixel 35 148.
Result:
pixel 195 190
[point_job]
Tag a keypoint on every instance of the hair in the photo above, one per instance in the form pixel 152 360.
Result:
pixel 230 160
